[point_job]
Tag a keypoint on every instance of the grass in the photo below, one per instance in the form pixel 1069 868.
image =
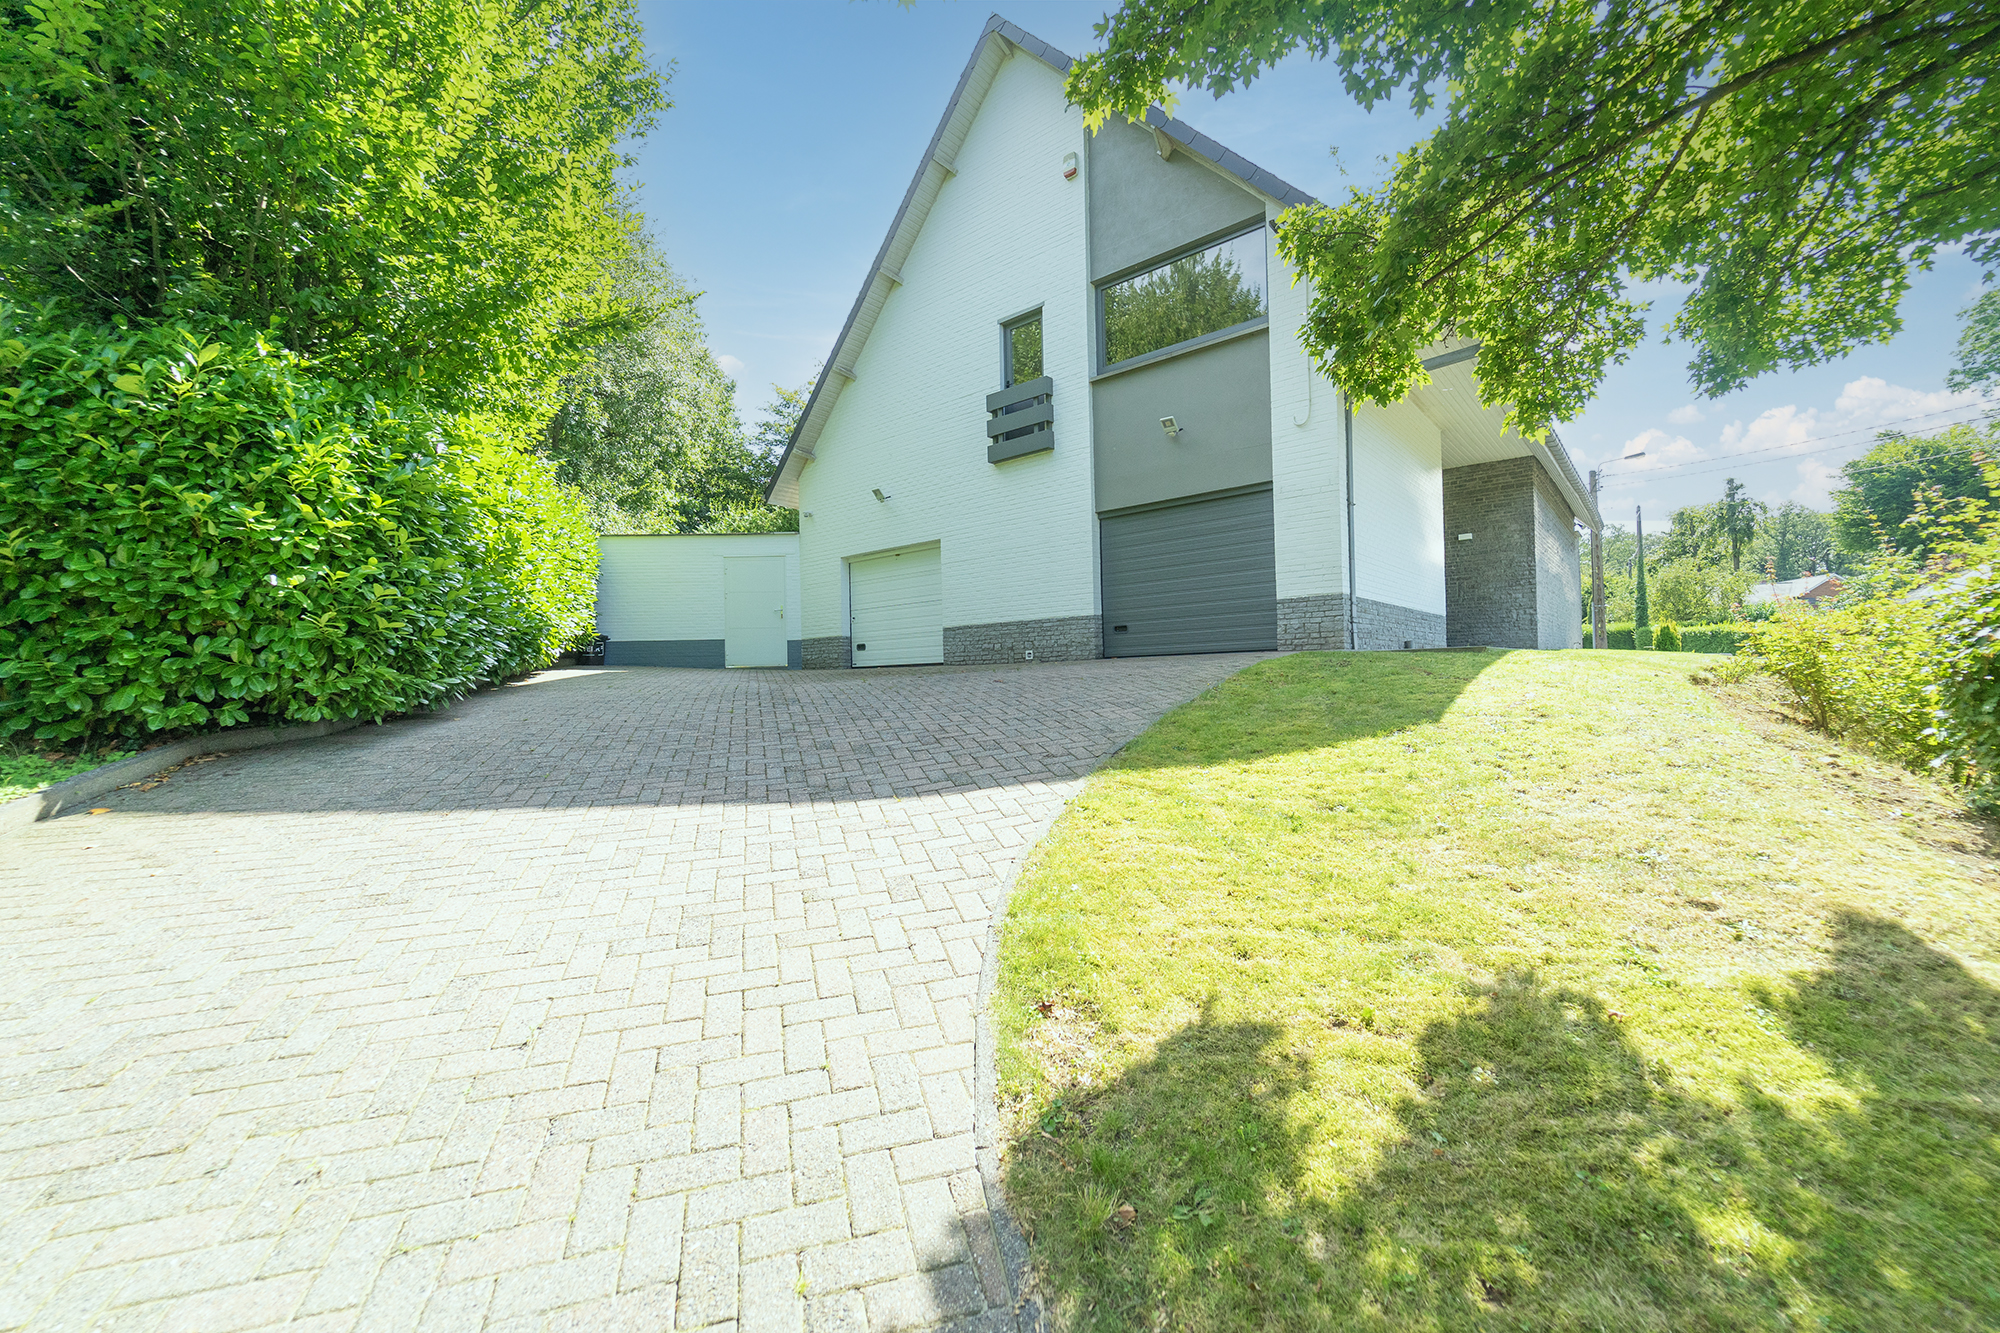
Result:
pixel 1510 991
pixel 23 771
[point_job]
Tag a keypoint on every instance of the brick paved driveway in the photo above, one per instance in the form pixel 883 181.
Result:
pixel 621 999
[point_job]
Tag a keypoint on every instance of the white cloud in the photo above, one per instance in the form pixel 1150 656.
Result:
pixel 1816 483
pixel 1686 416
pixel 1661 450
pixel 730 366
pixel 1864 406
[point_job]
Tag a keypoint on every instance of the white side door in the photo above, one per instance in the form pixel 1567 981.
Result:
pixel 754 631
pixel 898 608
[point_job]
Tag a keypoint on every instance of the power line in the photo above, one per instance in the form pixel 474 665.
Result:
pixel 1634 478
pixel 1876 429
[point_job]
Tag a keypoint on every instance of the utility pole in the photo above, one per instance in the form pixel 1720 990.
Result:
pixel 1598 631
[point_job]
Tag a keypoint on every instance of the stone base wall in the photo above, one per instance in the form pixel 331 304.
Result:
pixel 1319 624
pixel 1312 624
pixel 1059 639
pixel 1379 625
pixel 826 654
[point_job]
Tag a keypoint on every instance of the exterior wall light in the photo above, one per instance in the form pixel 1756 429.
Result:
pixel 1069 166
pixel 1170 428
pixel 879 495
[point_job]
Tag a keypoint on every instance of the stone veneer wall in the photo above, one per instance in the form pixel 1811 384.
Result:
pixel 1059 639
pixel 1379 625
pixel 1490 593
pixel 1319 624
pixel 826 653
pixel 1312 624
pixel 1559 610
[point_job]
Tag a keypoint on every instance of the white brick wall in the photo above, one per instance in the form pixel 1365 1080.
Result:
pixel 1005 235
pixel 654 588
pixel 1307 461
pixel 1399 509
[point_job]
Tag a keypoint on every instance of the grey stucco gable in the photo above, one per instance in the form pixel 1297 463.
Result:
pixel 843 354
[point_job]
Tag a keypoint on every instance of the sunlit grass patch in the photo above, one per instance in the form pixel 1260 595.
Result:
pixel 1497 990
pixel 25 770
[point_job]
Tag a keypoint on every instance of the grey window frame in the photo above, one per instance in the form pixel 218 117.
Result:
pixel 1130 271
pixel 1032 315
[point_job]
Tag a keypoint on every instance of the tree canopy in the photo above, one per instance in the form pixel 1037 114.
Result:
pixel 648 428
pixel 1888 485
pixel 427 199
pixel 1791 160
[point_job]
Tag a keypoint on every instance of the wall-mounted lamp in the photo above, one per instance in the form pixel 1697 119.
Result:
pixel 1170 427
pixel 1465 536
pixel 879 495
pixel 805 513
pixel 1069 166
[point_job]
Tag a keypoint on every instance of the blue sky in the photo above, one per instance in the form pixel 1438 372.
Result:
pixel 798 123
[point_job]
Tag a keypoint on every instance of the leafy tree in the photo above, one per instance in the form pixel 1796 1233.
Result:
pixel 1187 298
pixel 1793 539
pixel 1790 159
pixel 1885 486
pixel 1642 611
pixel 648 429
pixel 781 419
pixel 420 198
pixel 1978 365
pixel 1738 518
pixel 1694 532
pixel 1694 592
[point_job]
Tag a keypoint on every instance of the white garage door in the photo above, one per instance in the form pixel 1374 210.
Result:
pixel 898 608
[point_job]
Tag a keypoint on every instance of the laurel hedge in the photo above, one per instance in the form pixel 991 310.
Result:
pixel 197 531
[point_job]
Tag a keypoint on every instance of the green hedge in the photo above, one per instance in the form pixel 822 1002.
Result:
pixel 1694 638
pixel 196 534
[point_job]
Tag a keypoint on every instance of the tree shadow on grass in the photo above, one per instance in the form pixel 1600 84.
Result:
pixel 1550 1176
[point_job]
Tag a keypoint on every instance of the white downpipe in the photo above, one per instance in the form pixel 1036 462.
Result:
pixel 1347 423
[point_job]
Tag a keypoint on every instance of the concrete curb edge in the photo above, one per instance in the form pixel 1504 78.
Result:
pixel 1028 1313
pixel 80 790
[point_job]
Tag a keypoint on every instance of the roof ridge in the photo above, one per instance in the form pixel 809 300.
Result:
pixel 997 26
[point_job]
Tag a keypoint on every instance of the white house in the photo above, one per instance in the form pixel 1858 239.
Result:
pixel 1069 417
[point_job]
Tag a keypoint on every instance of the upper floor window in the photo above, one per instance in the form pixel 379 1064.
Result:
pixel 1183 299
pixel 1023 349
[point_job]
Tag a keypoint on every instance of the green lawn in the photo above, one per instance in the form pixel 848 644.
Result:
pixel 1503 990
pixel 24 771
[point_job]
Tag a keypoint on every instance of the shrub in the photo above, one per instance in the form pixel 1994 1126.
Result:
pixel 1667 638
pixel 1642 636
pixel 1615 636
pixel 197 533
pixel 1859 672
pixel 1712 638
pixel 1966 686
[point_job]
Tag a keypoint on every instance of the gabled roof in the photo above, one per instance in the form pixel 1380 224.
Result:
pixel 998 38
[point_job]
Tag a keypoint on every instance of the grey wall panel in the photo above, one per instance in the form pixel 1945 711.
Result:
pixel 795 654
pixel 1220 397
pixel 1516 583
pixel 1559 608
pixel 664 652
pixel 1191 578
pixel 1142 208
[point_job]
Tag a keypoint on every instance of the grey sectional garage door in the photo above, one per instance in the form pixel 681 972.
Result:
pixel 1199 577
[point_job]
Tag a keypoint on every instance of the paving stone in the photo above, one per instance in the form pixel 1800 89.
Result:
pixel 612 999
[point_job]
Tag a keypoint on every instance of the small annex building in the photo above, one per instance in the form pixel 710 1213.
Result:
pixel 699 601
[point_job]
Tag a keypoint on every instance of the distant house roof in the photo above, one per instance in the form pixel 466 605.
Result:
pixel 1810 588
